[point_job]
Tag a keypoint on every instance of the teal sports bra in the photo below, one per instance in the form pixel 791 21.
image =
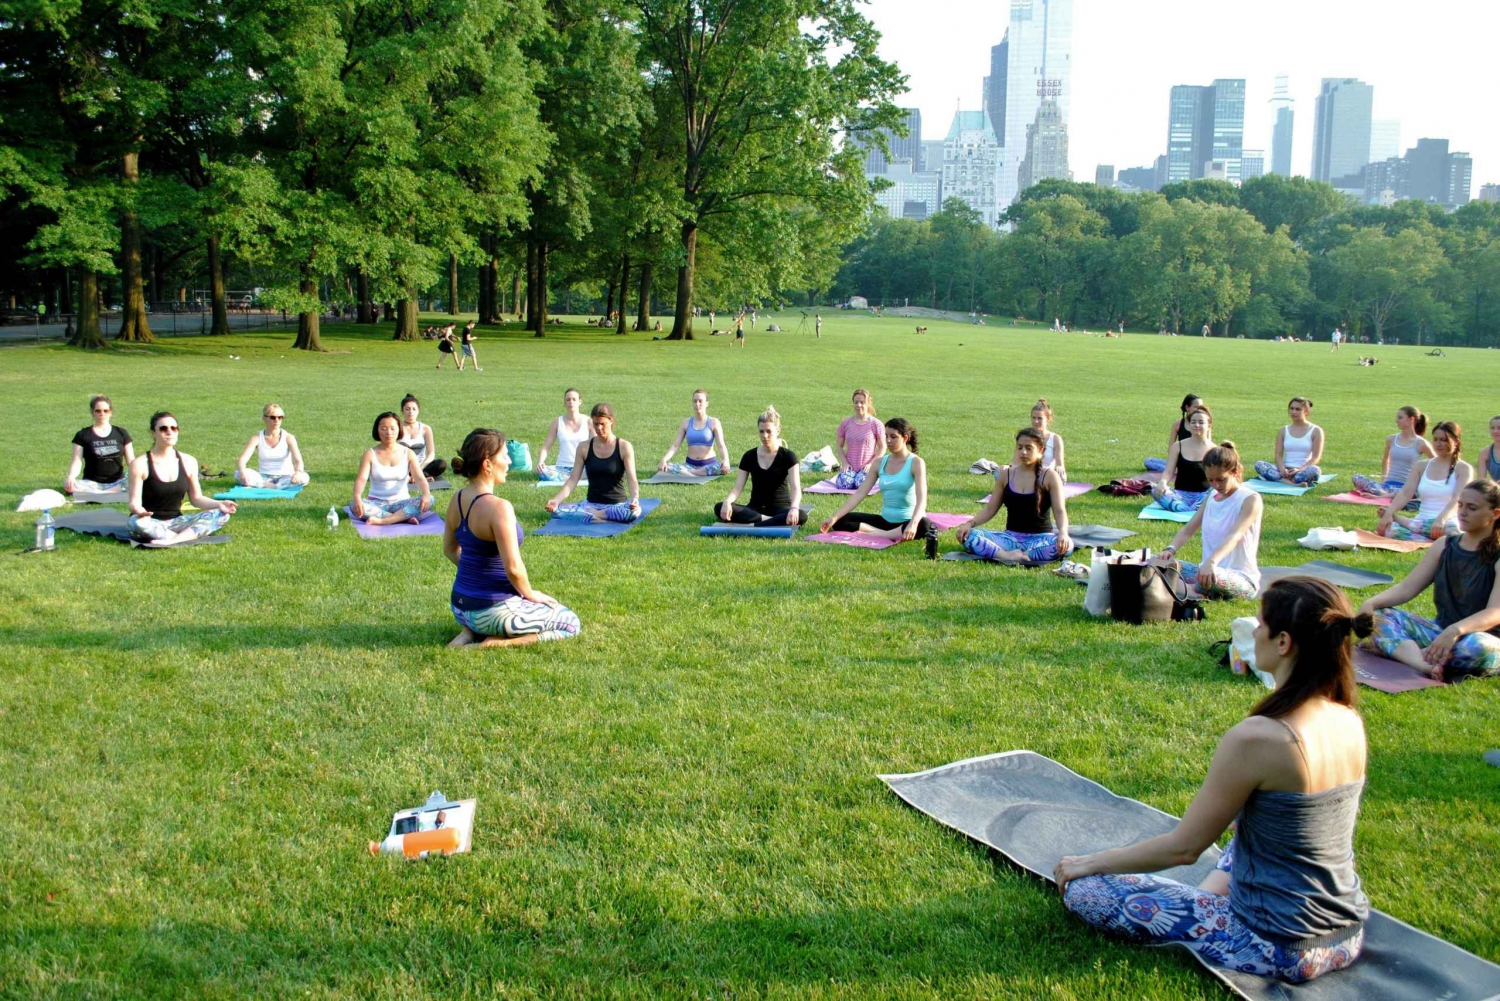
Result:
pixel 898 492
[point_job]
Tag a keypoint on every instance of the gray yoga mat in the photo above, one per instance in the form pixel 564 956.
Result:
pixel 1034 811
pixel 1334 573
pixel 114 524
pixel 692 481
pixel 1098 536
pixel 964 556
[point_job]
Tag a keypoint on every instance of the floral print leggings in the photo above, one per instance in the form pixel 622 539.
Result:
pixel 201 524
pixel 1039 547
pixel 1477 654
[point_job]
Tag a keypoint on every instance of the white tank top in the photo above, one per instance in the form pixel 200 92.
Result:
pixel 417 444
pixel 275 461
pixel 1219 517
pixel 388 483
pixel 1433 495
pixel 568 441
pixel 1294 451
pixel 1049 454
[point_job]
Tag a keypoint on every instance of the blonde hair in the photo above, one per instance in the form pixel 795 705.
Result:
pixel 268 406
pixel 771 417
pixel 869 398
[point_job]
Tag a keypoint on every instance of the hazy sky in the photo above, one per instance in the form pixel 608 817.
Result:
pixel 1434 65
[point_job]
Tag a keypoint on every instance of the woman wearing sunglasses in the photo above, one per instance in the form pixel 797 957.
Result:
pixel 159 480
pixel 277 455
pixel 97 453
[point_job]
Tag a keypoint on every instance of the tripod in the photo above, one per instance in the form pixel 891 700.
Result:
pixel 802 327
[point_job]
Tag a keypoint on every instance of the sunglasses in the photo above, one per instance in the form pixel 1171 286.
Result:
pixel 275 417
pixel 167 427
pixel 101 410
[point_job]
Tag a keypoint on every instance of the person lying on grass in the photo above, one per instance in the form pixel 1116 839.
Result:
pixel 97 452
pixel 704 435
pixel 1230 520
pixel 775 481
pixel 1284 900
pixel 278 459
pixel 493 599
pixel 390 468
pixel 609 463
pixel 159 480
pixel 902 476
pixel 1464 641
pixel 1434 484
pixel 1032 496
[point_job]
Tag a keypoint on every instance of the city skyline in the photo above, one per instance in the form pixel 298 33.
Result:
pixel 1118 108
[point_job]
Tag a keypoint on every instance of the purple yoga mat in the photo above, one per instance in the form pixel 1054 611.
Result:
pixel 860 540
pixel 827 487
pixel 431 523
pixel 1389 675
pixel 1070 490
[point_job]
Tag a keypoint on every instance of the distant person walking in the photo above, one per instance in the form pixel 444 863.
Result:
pixel 817 326
pixel 1204 331
pixel 1335 337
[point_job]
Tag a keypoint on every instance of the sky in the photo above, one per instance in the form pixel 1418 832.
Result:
pixel 1433 63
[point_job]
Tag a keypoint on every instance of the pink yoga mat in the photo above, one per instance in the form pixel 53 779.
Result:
pixel 1070 490
pixel 1369 540
pixel 827 487
pixel 430 523
pixel 1353 498
pixel 1388 675
pixel 862 541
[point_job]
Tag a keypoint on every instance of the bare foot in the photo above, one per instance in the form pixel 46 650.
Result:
pixel 494 641
pixel 414 521
pixel 464 638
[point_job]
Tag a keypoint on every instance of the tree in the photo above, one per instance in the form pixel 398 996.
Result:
pixel 1377 273
pixel 1209 192
pixel 1293 202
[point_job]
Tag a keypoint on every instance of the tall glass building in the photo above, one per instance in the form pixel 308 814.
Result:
pixel 1039 57
pixel 1281 130
pixel 1341 129
pixel 1205 125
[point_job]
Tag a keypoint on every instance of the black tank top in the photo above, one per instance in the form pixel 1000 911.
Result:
pixel 163 499
pixel 606 476
pixel 1190 475
pixel 1183 431
pixel 1021 513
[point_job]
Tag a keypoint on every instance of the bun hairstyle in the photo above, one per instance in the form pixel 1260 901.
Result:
pixel 1320 620
pixel 375 428
pixel 97 399
pixel 1189 401
pixel 771 417
pixel 905 429
pixel 1418 420
pixel 155 417
pixel 1306 403
pixel 481 444
pixel 1489 550
pixel 408 398
pixel 1042 406
pixel 1224 456
pixel 602 410
pixel 869 398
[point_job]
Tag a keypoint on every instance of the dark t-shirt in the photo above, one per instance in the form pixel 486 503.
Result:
pixel 770 489
pixel 103 456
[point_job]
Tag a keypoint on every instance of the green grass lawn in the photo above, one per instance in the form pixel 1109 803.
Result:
pixel 196 745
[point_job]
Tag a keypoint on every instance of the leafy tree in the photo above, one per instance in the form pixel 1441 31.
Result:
pixel 1209 192
pixel 1377 273
pixel 1293 202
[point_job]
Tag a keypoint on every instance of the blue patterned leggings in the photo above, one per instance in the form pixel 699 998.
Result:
pixel 585 511
pixel 1154 910
pixel 1179 500
pixel 849 479
pixel 1038 547
pixel 1268 471
pixel 1227 583
pixel 516 616
pixel 200 524
pixel 1376 488
pixel 1477 654
pixel 705 467
pixel 1417 528
pixel 1156 465
pixel 412 508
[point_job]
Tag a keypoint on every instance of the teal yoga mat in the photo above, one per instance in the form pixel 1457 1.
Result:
pixel 1155 512
pixel 1261 486
pixel 259 493
pixel 758 531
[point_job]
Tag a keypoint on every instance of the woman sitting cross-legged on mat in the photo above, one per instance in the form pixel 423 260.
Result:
pixel 1189 483
pixel 902 476
pixel 1299 448
pixel 492 594
pixel 568 431
pixel 704 435
pixel 418 437
pixel 1434 484
pixel 1284 900
pixel 98 452
pixel 860 440
pixel 1230 520
pixel 390 468
pixel 277 455
pixel 1465 638
pixel 775 481
pixel 1179 430
pixel 159 480
pixel 1402 450
pixel 1032 496
pixel 1052 455
pixel 610 465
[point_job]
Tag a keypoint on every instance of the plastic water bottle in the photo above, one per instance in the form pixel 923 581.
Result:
pixel 333 518
pixel 46 530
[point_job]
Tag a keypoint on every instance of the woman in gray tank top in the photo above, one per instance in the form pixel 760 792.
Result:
pixel 1284 900
pixel 1402 450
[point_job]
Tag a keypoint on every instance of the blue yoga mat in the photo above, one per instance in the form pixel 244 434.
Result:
pixel 597 529
pixel 1281 489
pixel 1155 512
pixel 763 531
pixel 259 493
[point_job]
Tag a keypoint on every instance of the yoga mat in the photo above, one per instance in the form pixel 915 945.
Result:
pixel 759 531
pixel 1333 573
pixel 430 523
pixel 858 540
pixel 1353 498
pixel 1388 675
pixel 111 524
pixel 1033 811
pixel 260 493
pixel 691 481
pixel 1155 512
pixel 1070 490
pixel 100 496
pixel 557 484
pixel 597 529
pixel 1098 536
pixel 207 540
pixel 1370 540
pixel 964 556
pixel 1261 486
pixel 827 487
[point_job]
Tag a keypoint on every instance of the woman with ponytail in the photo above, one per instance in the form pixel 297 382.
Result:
pixel 1052 455
pixel 1432 484
pixel 1230 520
pixel 902 477
pixel 1465 639
pixel 775 481
pixel 1402 450
pixel 1032 496
pixel 1179 432
pixel 493 599
pixel 1284 900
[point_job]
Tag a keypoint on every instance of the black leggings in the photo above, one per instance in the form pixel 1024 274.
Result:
pixel 740 514
pixel 851 523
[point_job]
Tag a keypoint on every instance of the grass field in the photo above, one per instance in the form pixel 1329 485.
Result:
pixel 196 745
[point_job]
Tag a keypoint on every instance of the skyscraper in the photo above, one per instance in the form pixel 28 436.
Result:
pixel 1182 134
pixel 1204 125
pixel 907 147
pixel 995 86
pixel 971 161
pixel 1281 130
pixel 1460 179
pixel 1038 66
pixel 1104 175
pixel 1489 192
pixel 1427 173
pixel 1341 129
pixel 1252 164
pixel 1046 148
pixel 1385 139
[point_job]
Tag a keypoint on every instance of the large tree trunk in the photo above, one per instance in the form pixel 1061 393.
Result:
pixel 539 311
pixel 154 270
pixel 624 293
pixel 515 292
pixel 486 303
pixel 216 286
pixel 497 300
pixel 609 302
pixel 452 284
pixel 134 324
pixel 643 306
pixel 65 302
pixel 362 293
pixel 88 334
pixel 682 322
pixel 387 312
pixel 307 323
pixel 530 306
pixel 406 318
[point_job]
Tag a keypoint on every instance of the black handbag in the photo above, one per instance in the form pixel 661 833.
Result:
pixel 1142 592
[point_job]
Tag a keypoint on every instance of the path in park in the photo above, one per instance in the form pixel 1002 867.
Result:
pixel 162 324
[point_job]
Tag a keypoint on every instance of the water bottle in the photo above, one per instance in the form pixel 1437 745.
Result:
pixel 46 530
pixel 333 518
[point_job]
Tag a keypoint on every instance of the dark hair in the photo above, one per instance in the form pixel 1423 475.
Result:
pixel 602 410
pixel 97 398
pixel 1455 435
pixel 1188 401
pixel 158 416
pixel 1043 406
pixel 1306 403
pixel 1320 620
pixel 1224 456
pixel 1489 550
pixel 1193 410
pixel 375 428
pixel 570 389
pixel 1036 438
pixel 408 398
pixel 1419 420
pixel 481 444
pixel 905 429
